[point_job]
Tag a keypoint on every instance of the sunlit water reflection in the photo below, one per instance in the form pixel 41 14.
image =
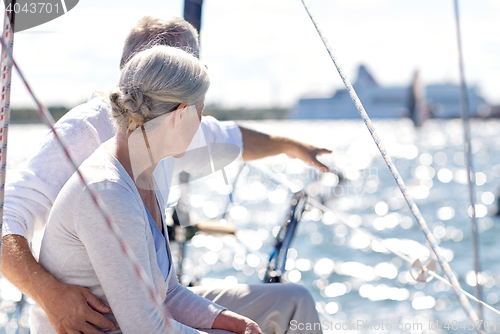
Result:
pixel 351 277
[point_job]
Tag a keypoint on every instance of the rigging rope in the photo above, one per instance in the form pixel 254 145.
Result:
pixel 6 72
pixel 127 251
pixel 411 203
pixel 341 220
pixel 470 168
pixel 344 221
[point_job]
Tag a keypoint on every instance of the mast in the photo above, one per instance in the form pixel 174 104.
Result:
pixel 192 12
pixel 180 216
pixel 418 110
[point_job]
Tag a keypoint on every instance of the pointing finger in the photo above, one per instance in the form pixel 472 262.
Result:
pixel 319 165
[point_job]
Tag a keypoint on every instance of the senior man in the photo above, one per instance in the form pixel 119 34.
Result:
pixel 28 201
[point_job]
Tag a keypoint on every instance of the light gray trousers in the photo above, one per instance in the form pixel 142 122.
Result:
pixel 272 306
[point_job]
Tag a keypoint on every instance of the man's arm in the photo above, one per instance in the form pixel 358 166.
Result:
pixel 28 201
pixel 68 307
pixel 257 145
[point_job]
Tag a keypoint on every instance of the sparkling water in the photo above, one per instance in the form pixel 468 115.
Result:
pixel 353 279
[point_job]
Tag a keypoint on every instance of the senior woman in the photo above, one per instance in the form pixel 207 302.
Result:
pixel 159 99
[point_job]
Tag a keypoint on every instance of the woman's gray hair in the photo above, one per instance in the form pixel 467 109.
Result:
pixel 154 82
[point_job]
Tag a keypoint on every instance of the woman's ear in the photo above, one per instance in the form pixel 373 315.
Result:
pixel 178 114
pixel 182 106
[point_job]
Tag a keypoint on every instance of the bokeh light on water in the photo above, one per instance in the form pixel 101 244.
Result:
pixel 346 269
pixel 350 276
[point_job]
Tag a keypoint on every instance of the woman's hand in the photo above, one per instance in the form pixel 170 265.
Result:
pixel 235 323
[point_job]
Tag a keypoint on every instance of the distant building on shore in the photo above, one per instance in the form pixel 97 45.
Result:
pixel 441 101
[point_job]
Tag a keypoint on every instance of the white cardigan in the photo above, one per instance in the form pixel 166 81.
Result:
pixel 78 248
pixel 29 198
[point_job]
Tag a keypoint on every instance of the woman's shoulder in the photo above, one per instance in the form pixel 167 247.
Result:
pixel 101 168
pixel 103 174
pixel 111 184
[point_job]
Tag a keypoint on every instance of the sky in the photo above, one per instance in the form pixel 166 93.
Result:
pixel 266 53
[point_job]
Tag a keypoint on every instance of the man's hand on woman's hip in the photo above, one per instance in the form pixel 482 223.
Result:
pixel 69 308
pixel 73 309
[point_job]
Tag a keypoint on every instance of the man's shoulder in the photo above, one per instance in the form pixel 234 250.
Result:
pixel 92 118
pixel 214 124
pixel 95 112
pixel 211 122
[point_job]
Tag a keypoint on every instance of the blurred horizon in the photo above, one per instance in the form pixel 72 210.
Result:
pixel 268 55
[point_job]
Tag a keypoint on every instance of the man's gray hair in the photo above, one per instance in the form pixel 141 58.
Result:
pixel 150 31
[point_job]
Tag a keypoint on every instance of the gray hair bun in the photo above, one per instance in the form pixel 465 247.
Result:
pixel 129 105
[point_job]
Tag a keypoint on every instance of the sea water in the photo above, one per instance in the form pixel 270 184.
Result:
pixel 357 285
